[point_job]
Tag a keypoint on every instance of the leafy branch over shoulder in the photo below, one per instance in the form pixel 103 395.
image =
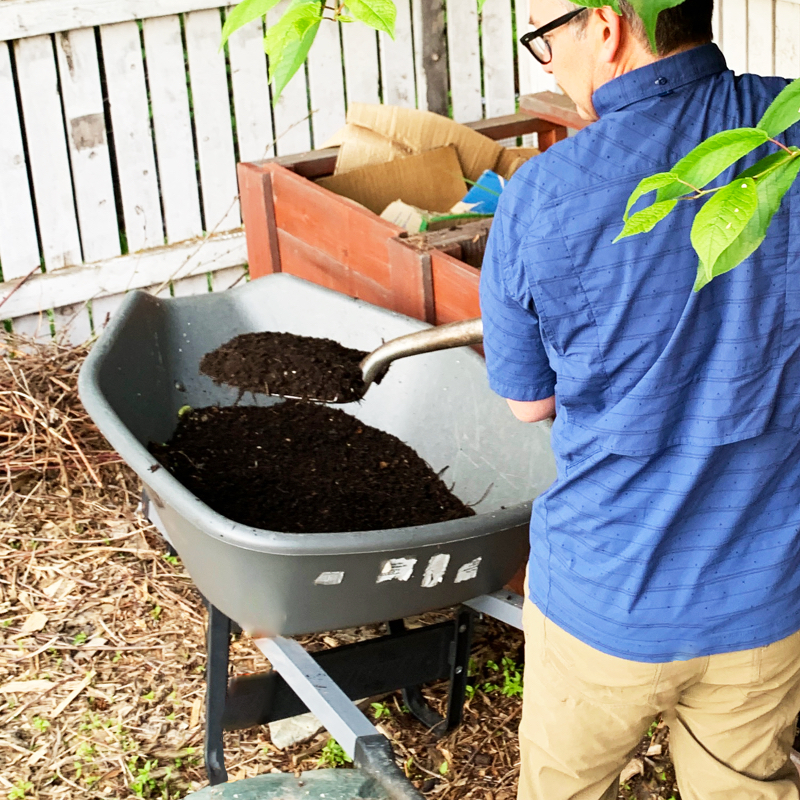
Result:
pixel 733 223
pixel 290 38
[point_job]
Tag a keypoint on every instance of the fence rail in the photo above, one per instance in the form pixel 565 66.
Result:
pixel 123 122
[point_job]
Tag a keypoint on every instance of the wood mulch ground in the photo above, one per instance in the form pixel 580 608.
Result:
pixel 101 636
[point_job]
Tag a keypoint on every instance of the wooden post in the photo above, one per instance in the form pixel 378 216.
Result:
pixel 434 80
pixel 258 215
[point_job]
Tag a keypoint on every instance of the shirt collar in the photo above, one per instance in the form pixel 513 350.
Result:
pixel 662 77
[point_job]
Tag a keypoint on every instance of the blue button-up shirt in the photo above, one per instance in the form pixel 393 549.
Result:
pixel 672 529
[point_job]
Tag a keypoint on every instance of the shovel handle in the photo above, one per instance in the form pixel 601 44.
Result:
pixel 442 337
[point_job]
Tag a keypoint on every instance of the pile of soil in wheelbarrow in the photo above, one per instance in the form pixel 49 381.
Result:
pixel 304 468
pixel 289 365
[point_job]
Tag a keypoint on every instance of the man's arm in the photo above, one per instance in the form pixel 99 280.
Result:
pixel 533 410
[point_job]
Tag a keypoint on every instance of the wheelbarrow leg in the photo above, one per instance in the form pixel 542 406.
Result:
pixel 459 675
pixel 412 695
pixel 218 638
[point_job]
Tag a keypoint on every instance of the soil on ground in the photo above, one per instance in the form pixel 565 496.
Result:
pixel 304 468
pixel 288 365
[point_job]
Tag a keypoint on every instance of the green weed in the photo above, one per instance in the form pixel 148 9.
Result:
pixel 333 755
pixel 19 790
pixel 380 710
pixel 40 724
pixel 512 679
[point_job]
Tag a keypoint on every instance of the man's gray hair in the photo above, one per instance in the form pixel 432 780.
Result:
pixel 686 24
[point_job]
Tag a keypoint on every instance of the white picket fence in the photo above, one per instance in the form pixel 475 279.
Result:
pixel 121 123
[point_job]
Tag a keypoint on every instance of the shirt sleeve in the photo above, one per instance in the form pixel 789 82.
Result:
pixel 516 359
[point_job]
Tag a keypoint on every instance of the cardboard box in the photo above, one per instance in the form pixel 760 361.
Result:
pixel 294 225
pixel 386 154
pixel 432 181
pixel 393 132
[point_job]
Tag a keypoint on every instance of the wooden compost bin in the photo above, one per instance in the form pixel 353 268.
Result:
pixel 295 226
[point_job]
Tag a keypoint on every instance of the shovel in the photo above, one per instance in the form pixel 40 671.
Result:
pixel 375 364
pixel 442 337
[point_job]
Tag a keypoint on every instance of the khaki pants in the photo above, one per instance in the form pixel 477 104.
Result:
pixel 731 718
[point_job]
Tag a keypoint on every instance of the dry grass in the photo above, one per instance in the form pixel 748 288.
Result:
pixel 102 634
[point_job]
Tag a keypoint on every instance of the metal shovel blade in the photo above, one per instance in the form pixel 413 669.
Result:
pixel 442 337
pixel 375 364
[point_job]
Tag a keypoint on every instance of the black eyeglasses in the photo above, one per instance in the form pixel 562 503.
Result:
pixel 538 46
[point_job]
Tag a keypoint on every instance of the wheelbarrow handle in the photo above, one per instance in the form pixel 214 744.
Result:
pixel 442 337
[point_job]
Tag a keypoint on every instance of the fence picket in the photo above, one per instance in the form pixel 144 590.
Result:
pixel 464 58
pixel 326 84
pixel 251 97
pixel 172 127
pixel 133 142
pixel 196 284
pixel 498 58
pixel 82 96
pixel 47 148
pixel 292 129
pixel 716 23
pixel 224 279
pixel 73 324
pixel 761 36
pixel 787 39
pixel 34 326
pixel 103 309
pixel 734 34
pixel 19 249
pixel 212 120
pixel 361 67
pixel 397 60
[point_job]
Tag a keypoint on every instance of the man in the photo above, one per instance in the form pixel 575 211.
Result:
pixel 664 574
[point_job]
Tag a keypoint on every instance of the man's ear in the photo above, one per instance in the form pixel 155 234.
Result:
pixel 610 30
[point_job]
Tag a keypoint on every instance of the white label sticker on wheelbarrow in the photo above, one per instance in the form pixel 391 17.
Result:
pixel 329 578
pixel 434 572
pixel 397 569
pixel 468 571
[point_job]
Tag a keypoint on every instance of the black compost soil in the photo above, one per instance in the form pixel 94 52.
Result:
pixel 304 468
pixel 289 365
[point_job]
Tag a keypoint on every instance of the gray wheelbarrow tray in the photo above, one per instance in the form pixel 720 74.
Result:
pixel 145 367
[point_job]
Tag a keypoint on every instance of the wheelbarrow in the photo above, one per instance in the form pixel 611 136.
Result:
pixel 146 367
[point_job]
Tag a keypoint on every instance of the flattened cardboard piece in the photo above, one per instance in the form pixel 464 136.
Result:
pixel 424 130
pixel 405 216
pixel 431 180
pixel 512 158
pixel 416 220
pixel 361 147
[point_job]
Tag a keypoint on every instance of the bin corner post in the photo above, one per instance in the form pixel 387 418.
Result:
pixel 258 216
pixel 411 286
pixel 218 637
pixel 548 138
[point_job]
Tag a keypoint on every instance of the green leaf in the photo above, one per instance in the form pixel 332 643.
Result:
pixel 720 221
pixel 245 12
pixel 646 219
pixel 771 190
pixel 649 184
pixel 288 41
pixel 481 4
pixel 712 157
pixel 648 11
pixel 765 164
pixel 378 14
pixel 783 112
